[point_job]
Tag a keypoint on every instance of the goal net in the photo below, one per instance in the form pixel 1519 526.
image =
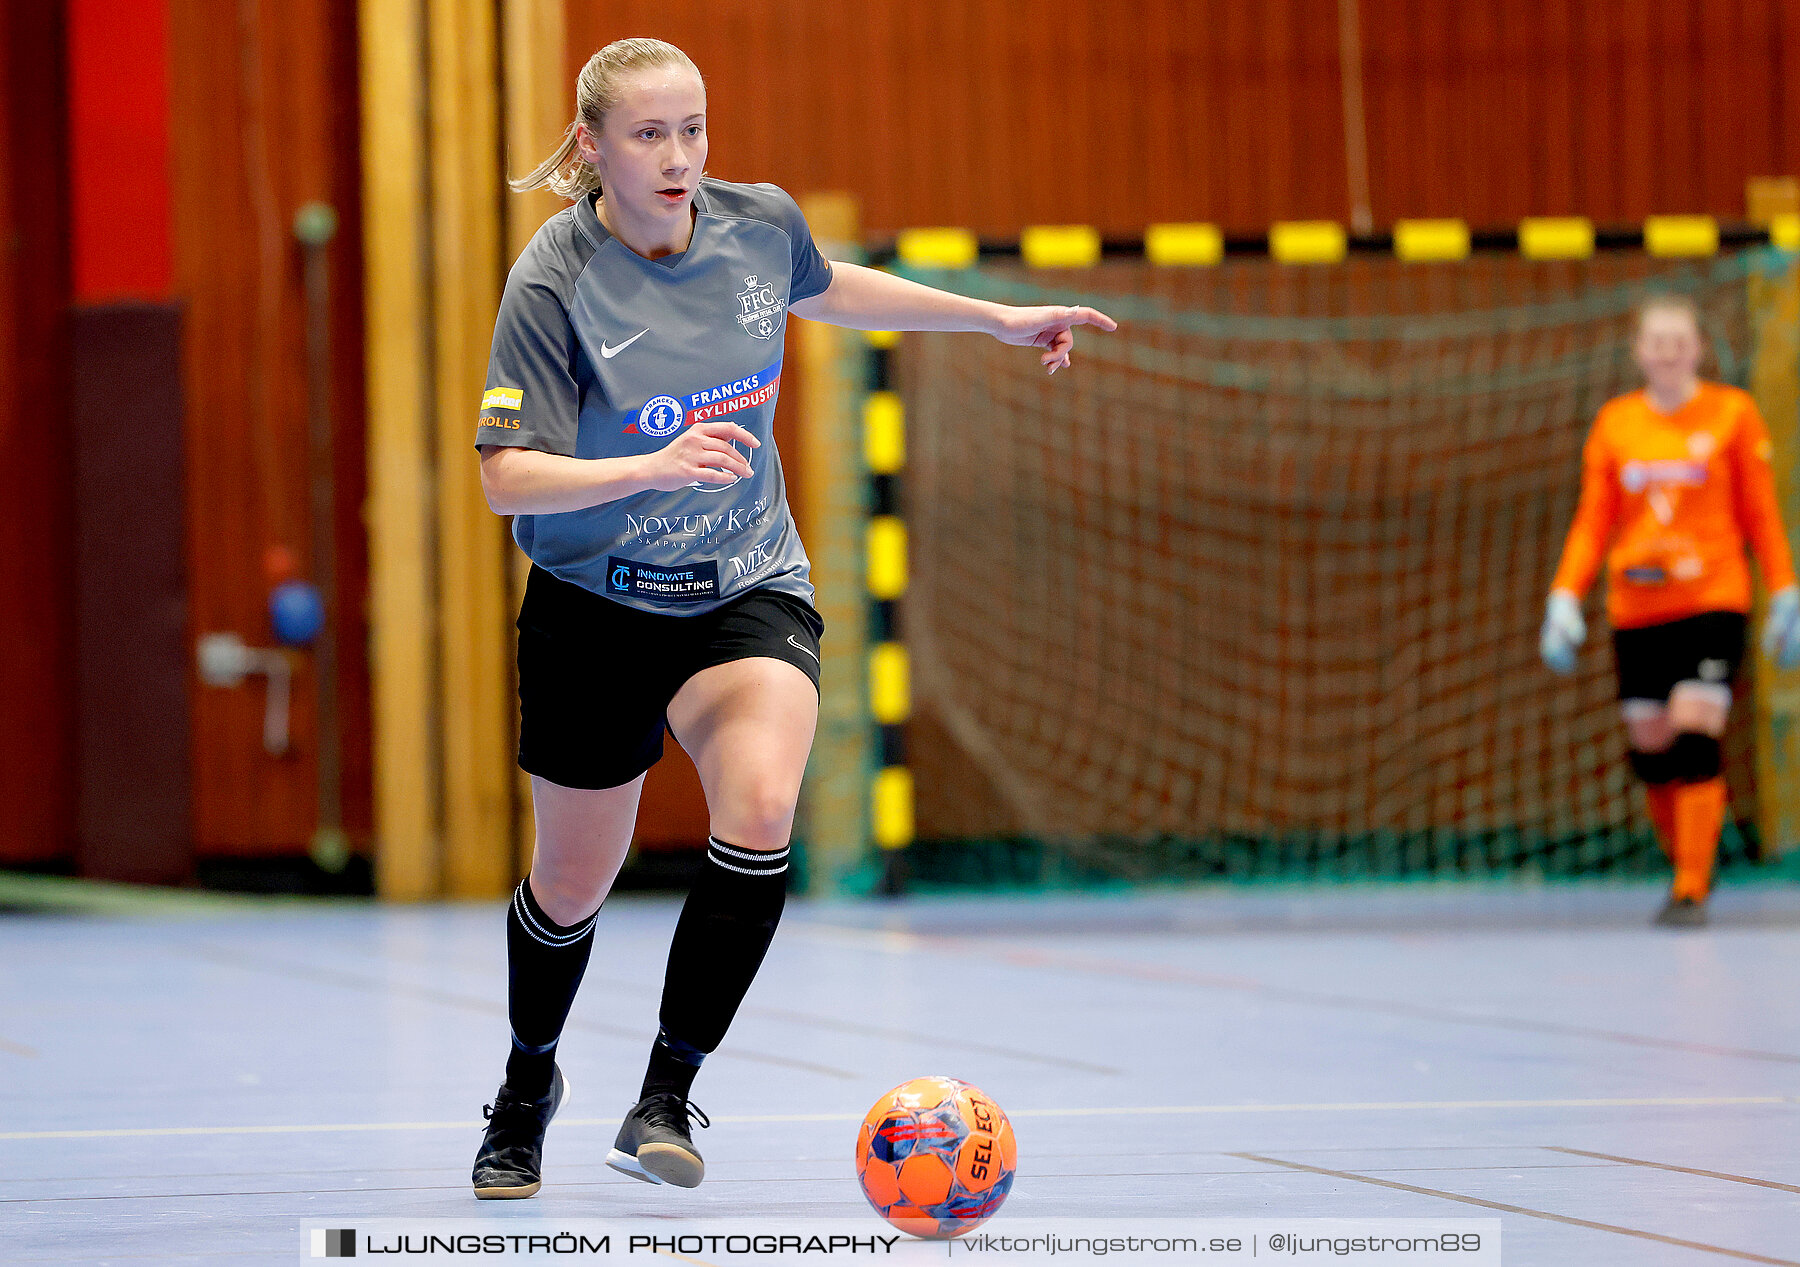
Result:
pixel 1253 589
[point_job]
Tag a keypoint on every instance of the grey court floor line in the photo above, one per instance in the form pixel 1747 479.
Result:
pixel 1680 1170
pixel 1505 1208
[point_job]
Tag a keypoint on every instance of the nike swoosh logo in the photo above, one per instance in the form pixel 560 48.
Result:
pixel 607 354
pixel 796 646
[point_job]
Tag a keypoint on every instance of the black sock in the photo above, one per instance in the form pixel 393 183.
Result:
pixel 673 1065
pixel 724 931
pixel 545 961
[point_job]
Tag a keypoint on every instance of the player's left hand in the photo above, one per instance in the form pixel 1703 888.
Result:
pixel 1781 628
pixel 1050 328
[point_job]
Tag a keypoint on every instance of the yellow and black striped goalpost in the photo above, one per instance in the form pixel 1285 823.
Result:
pixel 1199 245
pixel 890 677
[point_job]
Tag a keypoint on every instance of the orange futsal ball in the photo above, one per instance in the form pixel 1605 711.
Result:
pixel 935 1157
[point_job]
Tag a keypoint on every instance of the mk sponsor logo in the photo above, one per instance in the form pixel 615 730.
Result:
pixel 753 560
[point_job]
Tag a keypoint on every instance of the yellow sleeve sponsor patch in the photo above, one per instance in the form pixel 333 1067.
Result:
pixel 503 398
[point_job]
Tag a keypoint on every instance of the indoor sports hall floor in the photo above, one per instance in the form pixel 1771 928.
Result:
pixel 193 1081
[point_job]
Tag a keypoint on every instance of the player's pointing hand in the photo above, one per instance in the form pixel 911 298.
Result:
pixel 1050 328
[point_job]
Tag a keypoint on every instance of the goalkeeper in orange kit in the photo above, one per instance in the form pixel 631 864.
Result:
pixel 1675 482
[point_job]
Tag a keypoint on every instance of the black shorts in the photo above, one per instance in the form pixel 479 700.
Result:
pixel 1704 648
pixel 596 676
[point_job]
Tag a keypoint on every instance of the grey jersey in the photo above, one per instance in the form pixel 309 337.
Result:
pixel 599 353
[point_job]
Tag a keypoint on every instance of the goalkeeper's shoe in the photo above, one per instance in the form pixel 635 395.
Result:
pixel 1682 912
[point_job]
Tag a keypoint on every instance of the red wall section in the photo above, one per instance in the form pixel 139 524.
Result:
pixel 119 149
pixel 37 792
pixel 1611 109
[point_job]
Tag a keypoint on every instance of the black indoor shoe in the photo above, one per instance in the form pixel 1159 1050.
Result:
pixel 511 1161
pixel 1682 912
pixel 654 1142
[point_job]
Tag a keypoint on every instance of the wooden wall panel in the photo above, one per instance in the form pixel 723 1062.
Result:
pixel 133 805
pixel 1786 86
pixel 402 579
pixel 988 115
pixel 1613 109
pixel 37 805
pixel 264 119
pixel 994 114
pixel 474 696
pixel 350 469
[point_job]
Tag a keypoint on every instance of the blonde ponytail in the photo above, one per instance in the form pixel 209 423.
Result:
pixel 597 90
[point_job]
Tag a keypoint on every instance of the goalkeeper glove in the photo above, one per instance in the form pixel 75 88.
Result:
pixel 1563 631
pixel 1781 628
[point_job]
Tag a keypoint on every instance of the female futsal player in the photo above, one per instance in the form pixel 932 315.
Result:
pixel 1675 480
pixel 627 426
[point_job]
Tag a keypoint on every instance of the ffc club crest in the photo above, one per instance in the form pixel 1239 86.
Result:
pixel 759 311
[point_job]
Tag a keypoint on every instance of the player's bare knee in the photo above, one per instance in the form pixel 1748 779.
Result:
pixel 762 818
pixel 767 831
pixel 1700 708
pixel 1647 726
pixel 566 898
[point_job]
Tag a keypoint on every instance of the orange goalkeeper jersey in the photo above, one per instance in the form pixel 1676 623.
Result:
pixel 1671 500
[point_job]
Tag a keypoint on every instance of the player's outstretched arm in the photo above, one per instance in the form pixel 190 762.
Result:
pixel 868 299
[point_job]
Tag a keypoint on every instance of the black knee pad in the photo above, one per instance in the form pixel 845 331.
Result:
pixel 1656 767
pixel 1697 757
